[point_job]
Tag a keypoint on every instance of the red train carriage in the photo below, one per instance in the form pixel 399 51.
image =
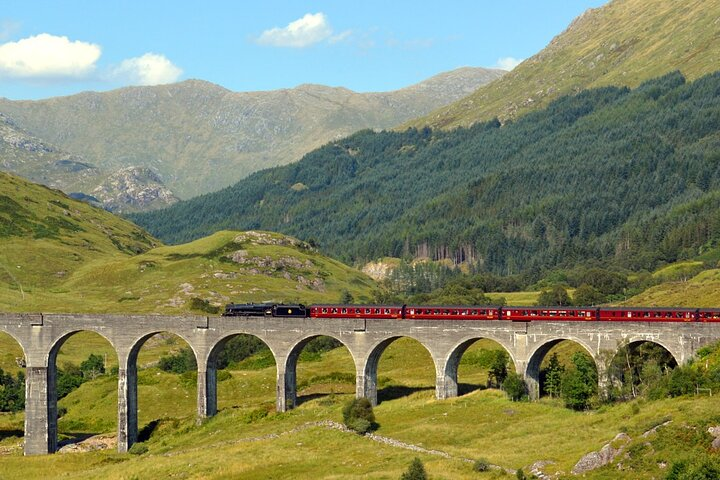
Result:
pixel 528 314
pixel 709 315
pixel 627 314
pixel 423 312
pixel 355 311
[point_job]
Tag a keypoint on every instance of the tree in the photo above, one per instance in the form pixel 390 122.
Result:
pixel 416 471
pixel 346 297
pixel 579 384
pixel 555 296
pixel 587 295
pixel 514 386
pixel 358 415
pixel 92 367
pixel 553 374
pixel 498 368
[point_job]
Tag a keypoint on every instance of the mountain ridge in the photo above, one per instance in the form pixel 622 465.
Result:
pixel 201 137
pixel 624 43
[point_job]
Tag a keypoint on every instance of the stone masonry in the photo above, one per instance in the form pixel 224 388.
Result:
pixel 41 337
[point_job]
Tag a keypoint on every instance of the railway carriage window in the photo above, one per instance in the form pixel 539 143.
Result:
pixel 334 310
pixel 387 311
pixel 367 311
pixel 344 310
pixel 324 310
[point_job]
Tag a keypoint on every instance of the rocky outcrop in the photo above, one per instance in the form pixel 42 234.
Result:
pixel 134 189
pixel 604 456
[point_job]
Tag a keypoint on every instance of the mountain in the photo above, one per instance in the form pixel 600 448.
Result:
pixel 41 162
pixel 126 190
pixel 616 175
pixel 199 137
pixel 622 43
pixel 58 254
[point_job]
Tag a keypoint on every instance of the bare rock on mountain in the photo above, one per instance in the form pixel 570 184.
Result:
pixel 134 189
pixel 202 137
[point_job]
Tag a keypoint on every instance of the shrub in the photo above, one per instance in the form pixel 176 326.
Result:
pixel 514 386
pixel 481 465
pixel 358 415
pixel 416 471
pixel 138 449
pixel 181 362
pixel 203 305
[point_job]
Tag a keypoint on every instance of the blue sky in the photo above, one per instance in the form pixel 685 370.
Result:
pixel 51 48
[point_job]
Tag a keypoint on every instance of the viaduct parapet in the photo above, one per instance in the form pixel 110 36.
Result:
pixel 527 343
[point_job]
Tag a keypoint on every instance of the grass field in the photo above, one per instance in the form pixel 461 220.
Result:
pixel 247 439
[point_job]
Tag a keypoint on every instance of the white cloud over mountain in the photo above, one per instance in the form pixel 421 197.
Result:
pixel 508 63
pixel 149 69
pixel 46 56
pixel 306 31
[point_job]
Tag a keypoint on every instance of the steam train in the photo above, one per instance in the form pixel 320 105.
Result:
pixel 514 314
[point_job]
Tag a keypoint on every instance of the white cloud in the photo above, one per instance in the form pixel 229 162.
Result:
pixel 310 29
pixel 508 63
pixel 149 69
pixel 47 56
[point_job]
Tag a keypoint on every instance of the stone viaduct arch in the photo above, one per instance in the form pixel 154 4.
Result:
pixel 446 340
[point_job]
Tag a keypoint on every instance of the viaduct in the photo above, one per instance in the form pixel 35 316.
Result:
pixel 41 337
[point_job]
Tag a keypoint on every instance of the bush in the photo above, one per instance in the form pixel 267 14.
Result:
pixel 358 415
pixel 416 471
pixel 481 465
pixel 181 362
pixel 203 306
pixel 138 449
pixel 514 386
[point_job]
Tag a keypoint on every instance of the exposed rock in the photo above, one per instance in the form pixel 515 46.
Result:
pixel 604 456
pixel 378 271
pixel 132 189
pixel 536 469
pixel 97 442
pixel 715 432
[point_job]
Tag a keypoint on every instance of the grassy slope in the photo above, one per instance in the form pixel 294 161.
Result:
pixel 61 255
pixel 479 424
pixel 623 43
pixel 45 237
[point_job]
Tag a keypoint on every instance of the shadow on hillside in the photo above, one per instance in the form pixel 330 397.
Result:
pixel 76 437
pixel 146 432
pixel 465 388
pixel 300 399
pixel 10 433
pixel 394 392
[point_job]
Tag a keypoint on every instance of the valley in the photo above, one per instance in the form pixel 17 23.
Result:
pixel 571 179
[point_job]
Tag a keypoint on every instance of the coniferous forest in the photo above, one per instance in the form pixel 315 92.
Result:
pixel 629 177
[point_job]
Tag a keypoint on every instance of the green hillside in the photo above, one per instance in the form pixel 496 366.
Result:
pixel 620 176
pixel 46 237
pixel 625 42
pixel 254 442
pixel 62 255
